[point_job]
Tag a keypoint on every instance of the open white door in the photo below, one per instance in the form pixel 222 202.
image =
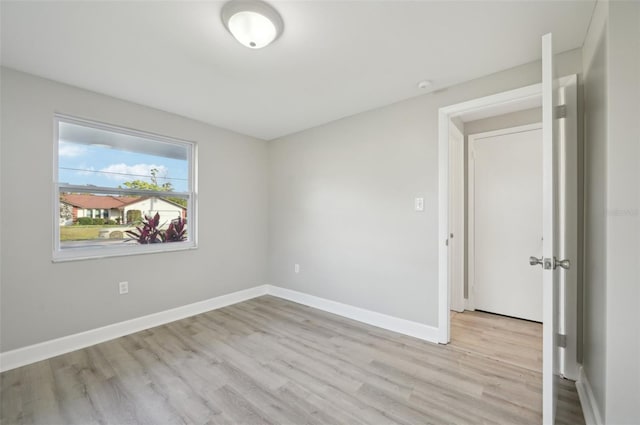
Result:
pixel 551 265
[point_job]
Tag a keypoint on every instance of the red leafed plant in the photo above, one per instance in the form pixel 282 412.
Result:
pixel 176 232
pixel 150 233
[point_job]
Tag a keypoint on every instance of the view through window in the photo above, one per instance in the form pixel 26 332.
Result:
pixel 121 191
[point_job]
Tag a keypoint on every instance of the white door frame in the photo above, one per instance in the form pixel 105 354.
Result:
pixel 568 224
pixel 471 201
pixel 445 115
pixel 456 220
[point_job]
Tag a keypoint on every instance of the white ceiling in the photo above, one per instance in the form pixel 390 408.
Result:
pixel 334 59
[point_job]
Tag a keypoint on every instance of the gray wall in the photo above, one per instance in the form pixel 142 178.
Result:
pixel 612 211
pixel 623 214
pixel 594 317
pixel 341 201
pixel 42 300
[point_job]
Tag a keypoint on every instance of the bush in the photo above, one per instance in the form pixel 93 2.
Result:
pixel 98 221
pixel 85 221
pixel 110 222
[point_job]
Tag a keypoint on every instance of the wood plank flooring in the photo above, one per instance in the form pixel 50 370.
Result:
pixel 270 361
pixel 515 342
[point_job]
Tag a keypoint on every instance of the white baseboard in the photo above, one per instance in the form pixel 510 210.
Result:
pixel 395 324
pixel 55 347
pixel 587 399
pixel 44 350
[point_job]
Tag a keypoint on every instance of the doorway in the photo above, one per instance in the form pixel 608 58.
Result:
pixel 453 271
pixel 459 115
pixel 496 192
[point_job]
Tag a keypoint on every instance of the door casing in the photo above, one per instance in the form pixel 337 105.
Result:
pixel 456 220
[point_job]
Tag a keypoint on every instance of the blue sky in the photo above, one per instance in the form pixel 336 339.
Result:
pixel 101 166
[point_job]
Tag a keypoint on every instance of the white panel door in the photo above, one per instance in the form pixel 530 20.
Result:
pixel 505 170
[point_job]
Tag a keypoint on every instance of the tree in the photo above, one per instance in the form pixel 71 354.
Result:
pixel 145 185
pixel 153 185
pixel 66 212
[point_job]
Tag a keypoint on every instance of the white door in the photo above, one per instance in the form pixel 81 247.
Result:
pixel 505 194
pixel 552 266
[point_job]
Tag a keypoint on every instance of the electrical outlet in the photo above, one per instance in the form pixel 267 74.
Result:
pixel 296 268
pixel 124 287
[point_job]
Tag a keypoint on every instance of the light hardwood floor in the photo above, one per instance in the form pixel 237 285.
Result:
pixel 270 361
pixel 515 342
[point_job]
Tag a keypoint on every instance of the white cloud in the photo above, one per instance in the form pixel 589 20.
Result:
pixel 70 149
pixel 134 172
pixel 85 171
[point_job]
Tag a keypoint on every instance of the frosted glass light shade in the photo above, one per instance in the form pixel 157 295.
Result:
pixel 252 29
pixel 254 24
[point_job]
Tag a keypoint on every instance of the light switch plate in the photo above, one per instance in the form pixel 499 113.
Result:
pixel 123 288
pixel 419 204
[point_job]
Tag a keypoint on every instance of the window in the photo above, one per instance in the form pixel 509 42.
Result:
pixel 120 191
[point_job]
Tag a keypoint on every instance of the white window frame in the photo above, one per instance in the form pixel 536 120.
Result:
pixel 70 254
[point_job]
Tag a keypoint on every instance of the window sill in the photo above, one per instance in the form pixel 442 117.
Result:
pixel 80 254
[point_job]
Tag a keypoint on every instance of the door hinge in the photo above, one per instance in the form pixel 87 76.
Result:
pixel 561 340
pixel 561 111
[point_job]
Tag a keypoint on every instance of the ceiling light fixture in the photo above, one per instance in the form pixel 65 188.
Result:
pixel 253 23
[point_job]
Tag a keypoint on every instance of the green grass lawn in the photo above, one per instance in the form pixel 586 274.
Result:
pixel 80 233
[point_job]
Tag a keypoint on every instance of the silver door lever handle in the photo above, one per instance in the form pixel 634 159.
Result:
pixel 565 264
pixel 535 261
